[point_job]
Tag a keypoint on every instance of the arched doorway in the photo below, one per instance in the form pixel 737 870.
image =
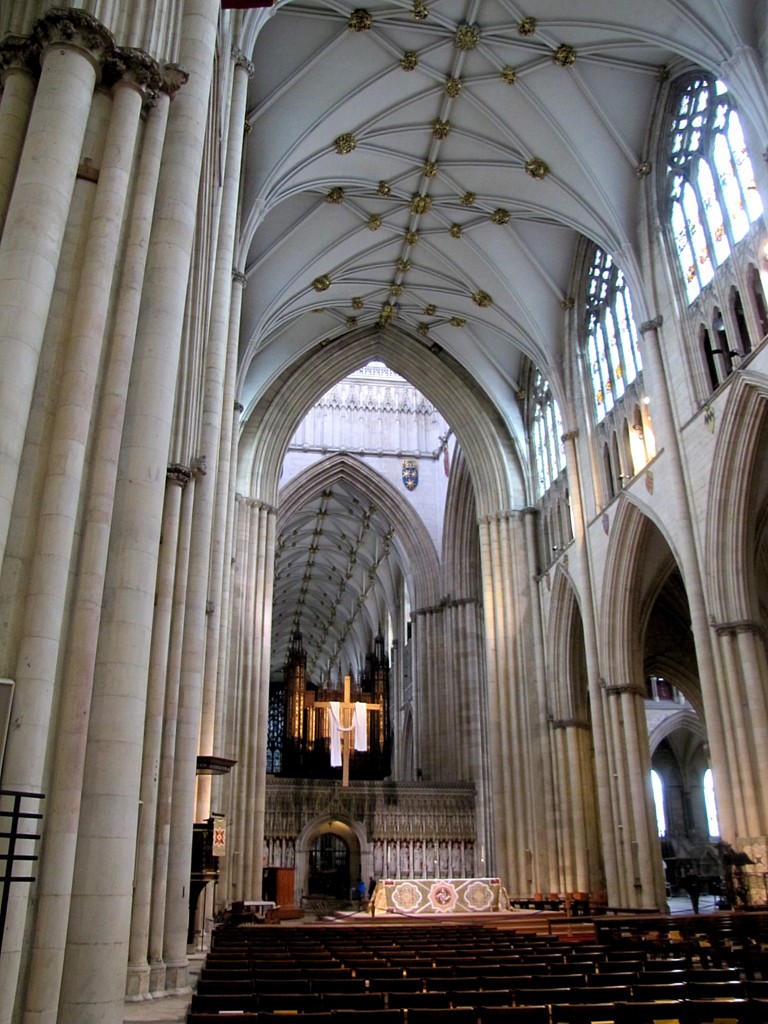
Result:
pixel 329 866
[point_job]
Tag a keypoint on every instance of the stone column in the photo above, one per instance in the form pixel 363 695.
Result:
pixel 224 735
pixel 74 47
pixel 465 694
pixel 619 770
pixel 646 866
pixel 267 523
pixel 221 366
pixel 516 722
pixel 139 984
pixel 424 738
pixel 192 734
pixel 544 790
pixel 18 92
pixel 575 733
pixel 93 989
pixel 564 811
pixel 241 708
pixel 502 757
pixel 750 639
pixel 598 711
pixel 738 738
pixel 178 559
pixel 254 584
pixel 50 576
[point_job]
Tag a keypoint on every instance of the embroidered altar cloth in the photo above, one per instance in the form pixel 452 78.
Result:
pixel 422 896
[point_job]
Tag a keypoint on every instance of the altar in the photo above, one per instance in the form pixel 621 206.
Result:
pixel 416 897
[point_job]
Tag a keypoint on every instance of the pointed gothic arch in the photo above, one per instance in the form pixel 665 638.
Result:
pixel 640 556
pixel 279 404
pixel 461 550
pixel 738 493
pixel 566 642
pixel 417 548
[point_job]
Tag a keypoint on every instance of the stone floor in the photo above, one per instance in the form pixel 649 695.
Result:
pixel 167 1008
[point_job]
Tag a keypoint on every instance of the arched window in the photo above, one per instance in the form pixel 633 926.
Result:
pixel 709 802
pixel 658 799
pixel 547 431
pixel 614 357
pixel 710 183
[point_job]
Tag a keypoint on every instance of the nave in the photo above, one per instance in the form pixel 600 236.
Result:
pixel 540 969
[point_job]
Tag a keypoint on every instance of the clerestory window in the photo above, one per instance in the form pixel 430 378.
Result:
pixel 614 356
pixel 713 198
pixel 623 435
pixel 547 429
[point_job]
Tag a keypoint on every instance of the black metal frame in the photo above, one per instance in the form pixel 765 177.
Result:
pixel 14 836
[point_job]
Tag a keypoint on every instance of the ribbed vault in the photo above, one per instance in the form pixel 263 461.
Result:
pixel 432 163
pixel 345 540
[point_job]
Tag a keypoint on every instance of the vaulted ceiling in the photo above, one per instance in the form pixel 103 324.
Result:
pixel 336 573
pixel 434 164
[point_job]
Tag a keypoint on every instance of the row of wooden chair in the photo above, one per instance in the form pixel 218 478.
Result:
pixel 671 1012
pixel 303 1003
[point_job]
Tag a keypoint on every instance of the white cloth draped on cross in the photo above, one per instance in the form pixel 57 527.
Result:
pixel 358 728
pixel 348 720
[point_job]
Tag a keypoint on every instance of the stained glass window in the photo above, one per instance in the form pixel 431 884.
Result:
pixel 614 358
pixel 711 184
pixel 547 429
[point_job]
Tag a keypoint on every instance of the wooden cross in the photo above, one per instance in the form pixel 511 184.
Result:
pixel 346 709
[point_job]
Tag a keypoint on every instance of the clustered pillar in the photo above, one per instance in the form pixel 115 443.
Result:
pixel 101 152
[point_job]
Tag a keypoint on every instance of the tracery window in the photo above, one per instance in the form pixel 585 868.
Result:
pixel 547 429
pixel 614 356
pixel 710 181
pixel 546 436
pixel 623 436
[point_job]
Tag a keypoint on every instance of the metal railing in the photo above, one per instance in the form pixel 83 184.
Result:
pixel 11 837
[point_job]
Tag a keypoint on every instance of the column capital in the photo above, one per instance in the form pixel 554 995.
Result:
pixel 178 474
pixel 504 515
pixel 78 29
pixel 241 61
pixel 617 689
pixel 134 67
pixel 239 277
pixel 739 626
pixel 571 435
pixel 239 406
pixel 17 54
pixel 174 77
pixel 529 510
pixel 568 723
pixel 651 325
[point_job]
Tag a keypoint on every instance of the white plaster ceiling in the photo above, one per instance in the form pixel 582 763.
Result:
pixel 517 146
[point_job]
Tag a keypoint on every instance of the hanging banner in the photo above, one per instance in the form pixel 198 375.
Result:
pixel 219 835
